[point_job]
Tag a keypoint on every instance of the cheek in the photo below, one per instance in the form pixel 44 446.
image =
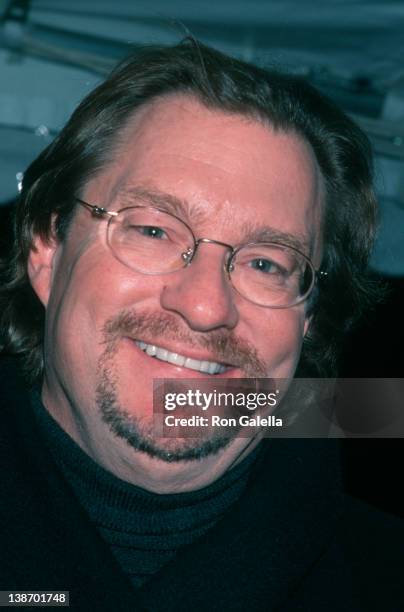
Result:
pixel 101 286
pixel 281 337
pixel 85 297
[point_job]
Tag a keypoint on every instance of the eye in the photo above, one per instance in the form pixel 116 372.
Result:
pixel 150 231
pixel 267 266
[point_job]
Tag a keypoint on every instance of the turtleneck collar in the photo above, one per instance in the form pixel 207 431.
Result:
pixel 143 529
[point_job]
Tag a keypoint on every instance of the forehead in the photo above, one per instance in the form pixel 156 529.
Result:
pixel 225 168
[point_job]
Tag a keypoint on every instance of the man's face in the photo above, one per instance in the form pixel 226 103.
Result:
pixel 232 175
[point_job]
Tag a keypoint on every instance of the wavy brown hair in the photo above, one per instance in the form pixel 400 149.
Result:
pixel 88 143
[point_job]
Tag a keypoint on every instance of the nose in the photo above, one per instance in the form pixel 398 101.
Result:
pixel 201 293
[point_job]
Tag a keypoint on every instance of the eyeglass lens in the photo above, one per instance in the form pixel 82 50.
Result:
pixel 152 241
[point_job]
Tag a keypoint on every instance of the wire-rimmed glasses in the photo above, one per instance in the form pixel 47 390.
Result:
pixel 153 241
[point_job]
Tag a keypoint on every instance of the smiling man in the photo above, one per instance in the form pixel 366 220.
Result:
pixel 178 227
pixel 228 178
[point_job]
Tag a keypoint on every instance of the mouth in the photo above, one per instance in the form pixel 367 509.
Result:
pixel 162 354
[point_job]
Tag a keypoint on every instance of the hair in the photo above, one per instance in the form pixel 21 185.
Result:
pixel 89 140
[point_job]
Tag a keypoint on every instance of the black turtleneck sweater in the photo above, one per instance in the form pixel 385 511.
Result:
pixel 291 541
pixel 144 530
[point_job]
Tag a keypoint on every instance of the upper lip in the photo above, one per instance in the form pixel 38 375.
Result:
pixel 188 351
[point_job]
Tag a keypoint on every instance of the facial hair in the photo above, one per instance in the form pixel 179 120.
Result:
pixel 140 434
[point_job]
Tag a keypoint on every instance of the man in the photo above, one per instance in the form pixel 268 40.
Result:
pixel 178 227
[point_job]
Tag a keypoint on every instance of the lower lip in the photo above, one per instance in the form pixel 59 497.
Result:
pixel 164 369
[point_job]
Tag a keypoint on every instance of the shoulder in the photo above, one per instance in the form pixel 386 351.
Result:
pixel 372 543
pixel 13 385
pixel 18 431
pixel 360 567
pixel 369 532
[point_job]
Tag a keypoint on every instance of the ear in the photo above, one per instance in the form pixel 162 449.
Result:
pixel 40 266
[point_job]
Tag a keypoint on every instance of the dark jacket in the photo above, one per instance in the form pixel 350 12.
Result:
pixel 292 542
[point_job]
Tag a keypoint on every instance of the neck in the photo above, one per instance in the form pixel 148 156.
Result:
pixel 136 467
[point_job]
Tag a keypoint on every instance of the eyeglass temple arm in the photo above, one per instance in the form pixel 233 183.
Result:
pixel 97 211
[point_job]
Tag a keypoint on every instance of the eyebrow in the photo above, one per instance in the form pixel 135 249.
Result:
pixel 253 232
pixel 154 197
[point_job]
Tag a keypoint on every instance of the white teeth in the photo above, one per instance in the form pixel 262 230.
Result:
pixel 175 359
pixel 209 367
pixel 212 368
pixel 151 350
pixel 160 353
pixel 205 366
pixel 192 364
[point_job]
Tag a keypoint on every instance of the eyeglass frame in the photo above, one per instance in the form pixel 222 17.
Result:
pixel 100 211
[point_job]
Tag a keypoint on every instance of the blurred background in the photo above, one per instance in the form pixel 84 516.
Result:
pixel 53 52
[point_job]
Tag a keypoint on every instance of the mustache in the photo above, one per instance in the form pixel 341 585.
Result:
pixel 223 345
